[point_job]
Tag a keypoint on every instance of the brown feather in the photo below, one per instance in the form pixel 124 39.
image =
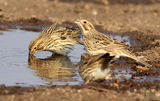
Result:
pixel 97 43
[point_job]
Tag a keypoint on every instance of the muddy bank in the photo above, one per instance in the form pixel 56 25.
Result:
pixel 80 93
pixel 121 16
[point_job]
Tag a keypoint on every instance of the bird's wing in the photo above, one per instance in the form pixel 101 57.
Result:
pixel 53 30
pixel 49 30
pixel 97 57
pixel 109 42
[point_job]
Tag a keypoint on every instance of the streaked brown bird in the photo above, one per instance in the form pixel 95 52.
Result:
pixel 56 67
pixel 95 67
pixel 97 43
pixel 60 40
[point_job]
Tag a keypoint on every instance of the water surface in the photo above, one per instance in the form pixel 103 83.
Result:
pixel 18 68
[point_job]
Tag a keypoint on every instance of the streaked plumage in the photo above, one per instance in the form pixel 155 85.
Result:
pixel 95 68
pixel 60 40
pixel 97 43
pixel 56 67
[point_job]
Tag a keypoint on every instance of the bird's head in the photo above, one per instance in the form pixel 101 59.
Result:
pixel 36 45
pixel 84 25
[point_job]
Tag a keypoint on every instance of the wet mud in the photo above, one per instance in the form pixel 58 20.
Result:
pixel 28 73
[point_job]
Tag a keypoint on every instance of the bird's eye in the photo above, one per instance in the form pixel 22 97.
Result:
pixel 84 22
pixel 62 33
pixel 35 47
pixel 63 38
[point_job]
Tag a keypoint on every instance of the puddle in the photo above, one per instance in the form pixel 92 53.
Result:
pixel 127 73
pixel 124 38
pixel 17 68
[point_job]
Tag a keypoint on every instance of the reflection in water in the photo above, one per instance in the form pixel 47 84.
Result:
pixel 54 68
pixel 1 33
pixel 14 63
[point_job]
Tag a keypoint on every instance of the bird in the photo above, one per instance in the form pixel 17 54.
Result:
pixel 56 39
pixel 95 68
pixel 98 43
pixel 55 67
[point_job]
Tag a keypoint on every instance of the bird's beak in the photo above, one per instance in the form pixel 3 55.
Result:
pixel 31 52
pixel 77 21
pixel 30 55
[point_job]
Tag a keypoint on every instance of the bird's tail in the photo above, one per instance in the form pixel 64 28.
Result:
pixel 140 60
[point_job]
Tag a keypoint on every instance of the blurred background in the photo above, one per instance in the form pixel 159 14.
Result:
pixel 111 15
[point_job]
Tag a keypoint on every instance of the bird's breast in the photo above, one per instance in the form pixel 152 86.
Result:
pixel 100 74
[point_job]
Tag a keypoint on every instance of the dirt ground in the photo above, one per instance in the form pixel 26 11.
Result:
pixel 139 19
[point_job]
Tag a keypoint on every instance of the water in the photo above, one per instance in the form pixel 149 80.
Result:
pixel 18 68
pixel 125 38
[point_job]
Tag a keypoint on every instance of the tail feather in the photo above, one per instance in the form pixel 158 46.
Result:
pixel 140 60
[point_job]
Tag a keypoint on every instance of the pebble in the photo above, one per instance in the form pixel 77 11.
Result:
pixel 1 14
pixel 106 2
pixel 87 7
pixel 5 3
pixel 135 90
pixel 158 94
pixel 26 9
pixel 79 91
pixel 94 12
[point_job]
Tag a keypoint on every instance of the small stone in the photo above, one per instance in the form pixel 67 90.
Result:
pixel 135 90
pixel 26 9
pixel 33 16
pixel 122 76
pixel 87 7
pixel 105 2
pixel 158 94
pixel 5 3
pixel 94 12
pixel 79 91
pixel 1 15
pixel 153 90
